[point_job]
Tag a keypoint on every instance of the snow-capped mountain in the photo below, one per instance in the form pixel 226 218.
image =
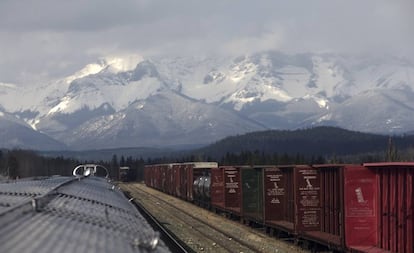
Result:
pixel 166 118
pixel 379 110
pixel 17 134
pixel 190 100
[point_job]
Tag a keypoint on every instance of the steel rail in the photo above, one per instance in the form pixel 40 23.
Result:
pixel 173 243
pixel 226 234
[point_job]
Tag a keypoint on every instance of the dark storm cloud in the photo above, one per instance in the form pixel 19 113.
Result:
pixel 50 38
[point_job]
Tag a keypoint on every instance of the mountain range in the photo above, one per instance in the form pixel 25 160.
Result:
pixel 193 101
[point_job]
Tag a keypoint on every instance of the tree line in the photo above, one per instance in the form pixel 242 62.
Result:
pixel 310 146
pixel 18 163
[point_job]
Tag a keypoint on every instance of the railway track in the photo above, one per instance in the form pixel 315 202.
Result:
pixel 199 229
pixel 173 243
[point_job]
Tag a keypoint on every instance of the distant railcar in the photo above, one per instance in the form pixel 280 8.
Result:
pixel 125 174
pixel 341 207
pixel 189 181
pixel 252 206
pixel 226 190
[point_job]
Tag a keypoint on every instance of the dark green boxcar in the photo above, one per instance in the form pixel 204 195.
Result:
pixel 252 194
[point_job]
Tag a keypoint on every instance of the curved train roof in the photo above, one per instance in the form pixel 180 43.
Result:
pixel 71 214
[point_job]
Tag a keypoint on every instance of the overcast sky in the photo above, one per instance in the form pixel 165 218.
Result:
pixel 46 39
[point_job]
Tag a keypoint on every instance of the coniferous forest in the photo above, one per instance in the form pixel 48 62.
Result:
pixel 306 146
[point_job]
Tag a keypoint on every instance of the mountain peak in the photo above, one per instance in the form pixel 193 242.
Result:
pixel 119 98
pixel 110 64
pixel 144 69
pixel 119 64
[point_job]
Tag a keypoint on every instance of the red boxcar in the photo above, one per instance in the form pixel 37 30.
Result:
pixel 292 198
pixel 178 179
pixel 148 178
pixel 395 207
pixel 279 198
pixel 348 211
pixel 307 199
pixel 217 189
pixel 169 179
pixel 152 177
pixel 162 174
pixel 226 189
pixel 359 208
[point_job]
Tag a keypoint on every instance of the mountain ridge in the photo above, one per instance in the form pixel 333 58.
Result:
pixel 105 105
pixel 323 141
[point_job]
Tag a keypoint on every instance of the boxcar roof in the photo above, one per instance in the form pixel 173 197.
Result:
pixel 390 164
pixel 68 214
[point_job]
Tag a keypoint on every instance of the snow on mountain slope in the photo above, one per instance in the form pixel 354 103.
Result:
pixel 34 101
pixel 15 133
pixel 8 94
pixel 118 90
pixel 256 78
pixel 98 105
pixel 234 81
pixel 111 64
pixel 99 94
pixel 379 110
pixel 396 74
pixel 284 91
pixel 166 118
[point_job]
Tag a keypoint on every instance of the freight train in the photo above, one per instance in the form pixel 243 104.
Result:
pixel 340 207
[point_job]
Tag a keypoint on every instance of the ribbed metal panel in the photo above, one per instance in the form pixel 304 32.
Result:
pixel 16 192
pixel 36 186
pixel 97 189
pixel 65 215
pixel 8 200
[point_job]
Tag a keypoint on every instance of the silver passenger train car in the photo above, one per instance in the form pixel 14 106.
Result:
pixel 84 213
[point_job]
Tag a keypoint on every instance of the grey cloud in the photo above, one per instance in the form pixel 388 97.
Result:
pixel 60 15
pixel 50 38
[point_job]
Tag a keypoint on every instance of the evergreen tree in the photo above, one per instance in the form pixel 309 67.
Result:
pixel 392 155
pixel 122 161
pixel 12 167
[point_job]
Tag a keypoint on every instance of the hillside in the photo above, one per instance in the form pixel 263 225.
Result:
pixel 318 141
pixel 325 142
